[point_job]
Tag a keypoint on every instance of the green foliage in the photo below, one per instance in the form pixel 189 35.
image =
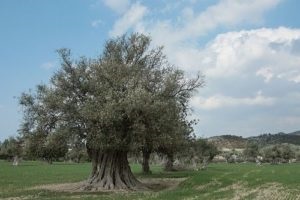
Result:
pixel 197 154
pixel 278 153
pixel 48 147
pixel 251 151
pixel 77 151
pixel 128 98
pixel 204 149
pixel 11 147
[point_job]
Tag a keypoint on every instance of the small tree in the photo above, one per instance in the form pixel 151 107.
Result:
pixel 77 150
pixel 251 152
pixel 278 153
pixel 272 154
pixel 204 152
pixel 55 147
pixel 287 153
pixel 48 147
pixel 12 149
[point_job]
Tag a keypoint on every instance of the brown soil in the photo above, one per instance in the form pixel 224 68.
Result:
pixel 154 184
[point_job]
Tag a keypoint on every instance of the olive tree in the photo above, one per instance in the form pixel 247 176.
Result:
pixel 113 102
pixel 11 149
pixel 251 151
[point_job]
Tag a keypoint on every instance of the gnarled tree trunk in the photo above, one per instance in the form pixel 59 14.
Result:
pixel 145 164
pixel 111 170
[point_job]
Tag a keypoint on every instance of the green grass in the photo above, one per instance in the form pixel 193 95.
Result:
pixel 219 181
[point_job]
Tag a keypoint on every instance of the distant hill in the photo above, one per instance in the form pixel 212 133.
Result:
pixel 238 142
pixel 228 141
pixel 266 139
pixel 295 133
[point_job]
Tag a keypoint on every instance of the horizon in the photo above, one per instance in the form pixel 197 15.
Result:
pixel 248 51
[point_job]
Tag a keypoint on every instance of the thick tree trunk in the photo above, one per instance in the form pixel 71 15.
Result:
pixel 145 164
pixel 111 170
pixel 170 160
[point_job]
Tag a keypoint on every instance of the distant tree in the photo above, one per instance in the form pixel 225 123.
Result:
pixel 297 156
pixel 232 156
pixel 55 147
pixel 12 149
pixel 278 153
pixel 198 153
pixel 180 140
pixel 272 154
pixel 205 152
pixel 35 146
pixel 48 147
pixel 109 101
pixel 251 151
pixel 77 151
pixel 287 153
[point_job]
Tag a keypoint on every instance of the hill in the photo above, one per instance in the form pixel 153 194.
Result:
pixel 238 142
pixel 228 141
pixel 295 133
pixel 279 138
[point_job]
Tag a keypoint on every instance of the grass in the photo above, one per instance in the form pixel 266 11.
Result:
pixel 219 181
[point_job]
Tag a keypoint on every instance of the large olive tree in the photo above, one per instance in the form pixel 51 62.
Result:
pixel 118 102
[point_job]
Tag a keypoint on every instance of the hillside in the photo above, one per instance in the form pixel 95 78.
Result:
pixel 295 133
pixel 238 142
pixel 228 141
pixel 266 139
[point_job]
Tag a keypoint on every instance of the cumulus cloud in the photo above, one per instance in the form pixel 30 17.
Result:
pixel 191 24
pixel 266 53
pixel 118 6
pixel 220 101
pixel 130 19
pixel 228 13
pixel 180 36
pixel 248 52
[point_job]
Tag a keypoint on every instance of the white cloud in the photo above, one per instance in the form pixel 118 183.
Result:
pixel 266 53
pixel 130 19
pixel 265 72
pixel 191 24
pixel 220 101
pixel 48 65
pixel 228 13
pixel 118 6
pixel 246 52
pixel 96 23
pixel 180 36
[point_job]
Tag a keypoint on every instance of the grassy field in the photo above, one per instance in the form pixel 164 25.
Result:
pixel 219 181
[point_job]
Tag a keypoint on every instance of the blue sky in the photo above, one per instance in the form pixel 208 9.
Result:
pixel 248 50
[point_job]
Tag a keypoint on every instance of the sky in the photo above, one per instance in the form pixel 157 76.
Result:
pixel 248 50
